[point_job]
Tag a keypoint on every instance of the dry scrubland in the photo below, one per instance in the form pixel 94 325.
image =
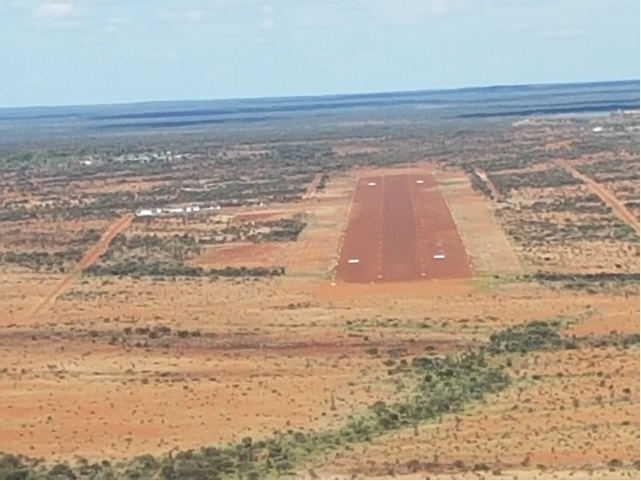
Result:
pixel 193 331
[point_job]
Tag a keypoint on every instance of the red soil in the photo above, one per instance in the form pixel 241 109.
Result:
pixel 395 229
pixel 87 260
pixel 241 254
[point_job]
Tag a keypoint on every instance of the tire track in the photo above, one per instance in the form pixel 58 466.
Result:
pixel 604 194
pixel 91 256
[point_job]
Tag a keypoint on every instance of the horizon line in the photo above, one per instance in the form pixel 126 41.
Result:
pixel 320 96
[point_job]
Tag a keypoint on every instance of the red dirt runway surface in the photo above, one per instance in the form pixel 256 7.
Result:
pixel 396 227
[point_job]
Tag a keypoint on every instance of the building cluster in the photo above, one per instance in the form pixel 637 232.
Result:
pixel 146 157
pixel 168 211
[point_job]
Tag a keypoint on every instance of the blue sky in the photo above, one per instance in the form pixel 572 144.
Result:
pixel 61 52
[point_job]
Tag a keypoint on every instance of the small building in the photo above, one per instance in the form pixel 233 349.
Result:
pixel 174 210
pixel 144 212
pixel 168 211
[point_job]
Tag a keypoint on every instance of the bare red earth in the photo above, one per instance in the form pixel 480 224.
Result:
pixel 397 224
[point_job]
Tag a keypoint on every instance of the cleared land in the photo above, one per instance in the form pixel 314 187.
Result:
pixel 400 229
pixel 486 244
pixel 191 332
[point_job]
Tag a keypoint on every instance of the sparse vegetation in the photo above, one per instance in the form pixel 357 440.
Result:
pixel 553 177
pixel 169 344
pixel 161 270
pixel 442 385
pixel 37 261
pixel 535 336
pixel 590 282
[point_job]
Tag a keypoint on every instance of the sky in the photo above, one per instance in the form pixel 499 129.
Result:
pixel 69 52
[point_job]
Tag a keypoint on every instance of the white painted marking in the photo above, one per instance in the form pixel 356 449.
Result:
pixel 371 184
pixel 353 261
pixel 439 256
pixel 420 181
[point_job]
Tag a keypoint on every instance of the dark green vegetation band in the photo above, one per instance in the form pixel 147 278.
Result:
pixel 442 385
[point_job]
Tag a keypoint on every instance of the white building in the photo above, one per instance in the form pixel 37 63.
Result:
pixel 145 212
pixel 150 212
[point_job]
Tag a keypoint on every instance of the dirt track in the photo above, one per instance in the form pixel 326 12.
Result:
pixel 397 224
pixel 606 196
pixel 87 259
pixel 484 177
pixel 311 188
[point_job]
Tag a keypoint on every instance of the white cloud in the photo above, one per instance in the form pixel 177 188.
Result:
pixel 112 25
pixel 521 26
pixel 37 81
pixel 164 56
pixel 54 11
pixel 438 7
pixel 189 15
pixel 267 21
pixel 194 15
pixel 563 33
pixel 413 11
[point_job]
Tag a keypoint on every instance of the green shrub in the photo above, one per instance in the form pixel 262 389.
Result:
pixel 535 336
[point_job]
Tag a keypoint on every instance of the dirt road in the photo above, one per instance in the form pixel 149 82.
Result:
pixel 606 196
pixel 311 188
pixel 484 177
pixel 87 259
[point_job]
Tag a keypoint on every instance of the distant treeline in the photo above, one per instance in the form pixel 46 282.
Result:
pixel 573 109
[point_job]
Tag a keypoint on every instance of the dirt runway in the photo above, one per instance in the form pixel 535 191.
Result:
pixel 400 229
